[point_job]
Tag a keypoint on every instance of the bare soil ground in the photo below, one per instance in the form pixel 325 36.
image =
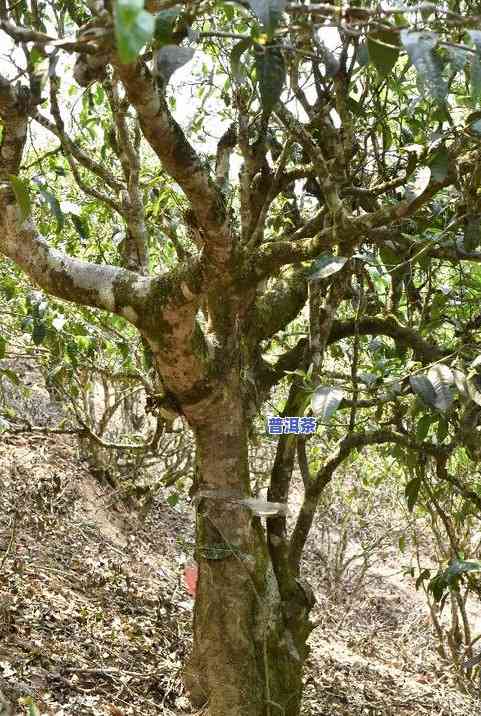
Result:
pixel 95 617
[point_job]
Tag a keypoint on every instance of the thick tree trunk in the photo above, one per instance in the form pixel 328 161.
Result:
pixel 249 645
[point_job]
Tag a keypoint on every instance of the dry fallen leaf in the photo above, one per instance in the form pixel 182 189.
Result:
pixel 114 710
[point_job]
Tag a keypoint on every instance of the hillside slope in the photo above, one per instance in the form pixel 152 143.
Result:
pixel 95 616
pixel 92 614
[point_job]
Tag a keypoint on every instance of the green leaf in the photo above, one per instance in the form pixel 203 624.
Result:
pixel 81 226
pixel 402 543
pixel 37 56
pixel 269 13
pixel 325 266
pixel 426 11
pixel 439 164
pixel 457 58
pixel 325 401
pixel 476 127
pixel 421 49
pixel 437 587
pixel 9 288
pixel 362 55
pixel 134 28
pixel 3 347
pixel 422 427
pixel 441 113
pixel 173 499
pixel 164 25
pixel 22 195
pixel 368 378
pixel 422 386
pixel 39 331
pixel 473 122
pixel 171 58
pixel 442 379
pixel 460 566
pixel 235 58
pixel 412 491
pixel 54 205
pixel 147 356
pixel 33 710
pixel 442 431
pixel 271 72
pixel 389 257
pixel 10 375
pixel 383 52
pixel 228 11
pixel 354 106
pixel 425 574
pixel 474 389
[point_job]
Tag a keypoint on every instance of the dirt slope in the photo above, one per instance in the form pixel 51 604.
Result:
pixel 93 619
pixel 94 616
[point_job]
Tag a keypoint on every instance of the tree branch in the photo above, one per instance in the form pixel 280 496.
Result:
pixel 424 351
pixel 14 109
pixel 72 148
pixel 179 159
pixel 295 248
pixel 325 474
pixel 268 375
pixel 279 304
pixel 105 287
pixel 128 151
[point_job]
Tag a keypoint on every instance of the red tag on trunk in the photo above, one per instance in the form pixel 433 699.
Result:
pixel 191 573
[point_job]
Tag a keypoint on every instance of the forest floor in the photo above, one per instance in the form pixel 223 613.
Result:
pixel 95 617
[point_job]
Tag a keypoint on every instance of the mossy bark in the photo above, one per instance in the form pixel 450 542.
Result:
pixel 249 644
